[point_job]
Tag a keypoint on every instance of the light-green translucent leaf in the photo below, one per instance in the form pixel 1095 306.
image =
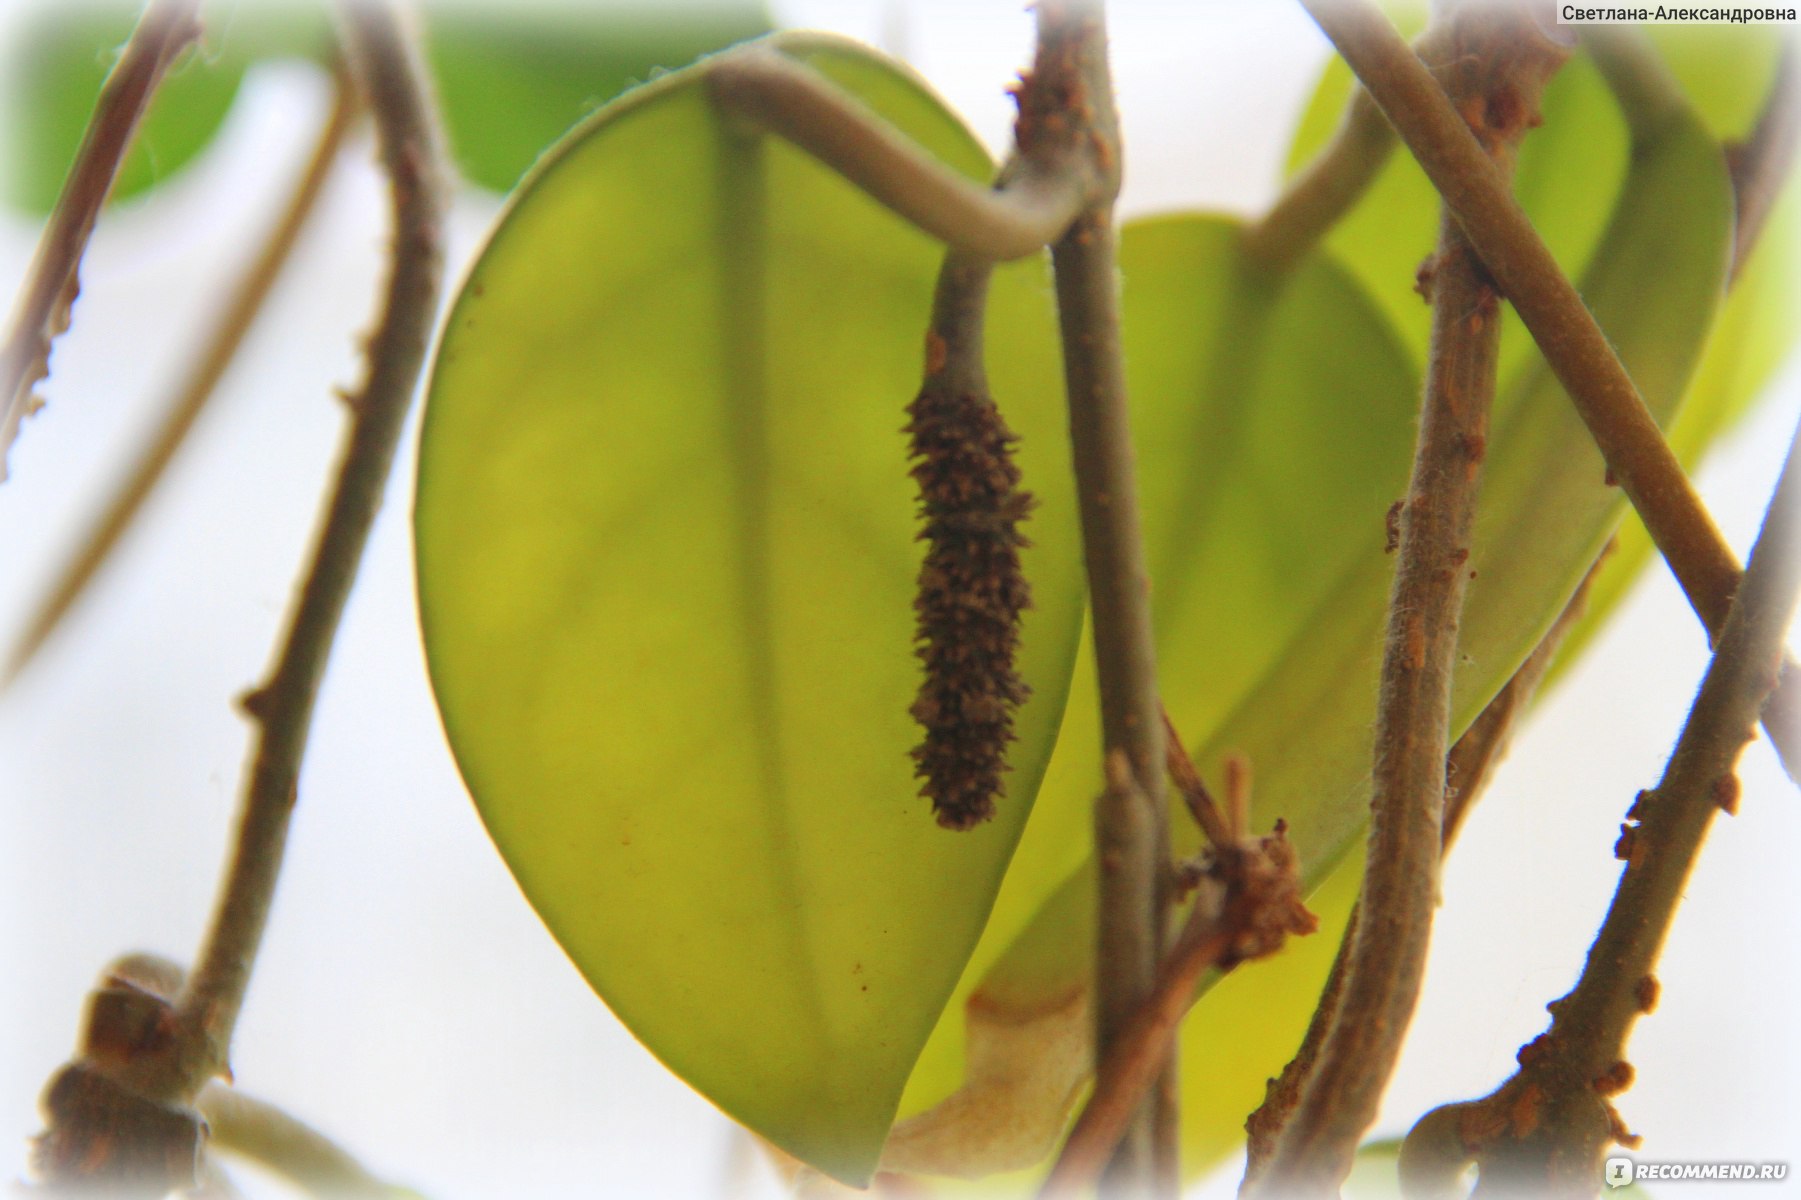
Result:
pixel 666 562
pixel 1725 71
pixel 1305 720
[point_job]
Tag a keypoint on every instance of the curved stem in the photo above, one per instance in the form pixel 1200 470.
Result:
pixel 1036 204
pixel 236 317
pixel 259 1131
pixel 165 29
pixel 1327 188
pixel 384 64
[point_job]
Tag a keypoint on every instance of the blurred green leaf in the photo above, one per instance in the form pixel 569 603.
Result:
pixel 1725 70
pixel 511 80
pixel 511 85
pixel 666 562
pixel 1303 715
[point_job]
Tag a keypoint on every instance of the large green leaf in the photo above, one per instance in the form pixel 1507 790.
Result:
pixel 510 81
pixel 1304 720
pixel 666 562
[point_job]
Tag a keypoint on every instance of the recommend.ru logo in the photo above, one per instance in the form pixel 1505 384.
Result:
pixel 1621 1171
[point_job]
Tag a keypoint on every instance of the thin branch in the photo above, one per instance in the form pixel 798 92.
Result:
pixel 1261 906
pixel 1127 952
pixel 1500 54
pixel 1220 833
pixel 227 335
pixel 1546 1129
pixel 1467 770
pixel 384 63
pixel 1068 99
pixel 1034 204
pixel 1764 162
pixel 1572 343
pixel 1332 183
pixel 259 1131
pixel 165 29
pixel 1327 188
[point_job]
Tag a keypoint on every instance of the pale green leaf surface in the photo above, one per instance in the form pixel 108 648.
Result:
pixel 1546 511
pixel 1725 71
pixel 1375 1172
pixel 666 562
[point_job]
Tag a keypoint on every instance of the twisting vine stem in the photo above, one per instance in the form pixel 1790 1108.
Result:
pixel 166 28
pixel 1501 66
pixel 1038 198
pixel 1326 188
pixel 123 1114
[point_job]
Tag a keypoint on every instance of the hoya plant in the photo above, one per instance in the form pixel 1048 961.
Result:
pixel 980 689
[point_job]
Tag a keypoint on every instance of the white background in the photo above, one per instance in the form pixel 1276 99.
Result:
pixel 408 1001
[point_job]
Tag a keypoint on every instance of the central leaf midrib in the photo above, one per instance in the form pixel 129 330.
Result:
pixel 743 333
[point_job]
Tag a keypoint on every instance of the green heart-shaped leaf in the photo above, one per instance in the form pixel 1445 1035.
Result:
pixel 666 565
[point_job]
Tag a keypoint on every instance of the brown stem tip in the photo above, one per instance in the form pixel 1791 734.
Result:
pixel 971 595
